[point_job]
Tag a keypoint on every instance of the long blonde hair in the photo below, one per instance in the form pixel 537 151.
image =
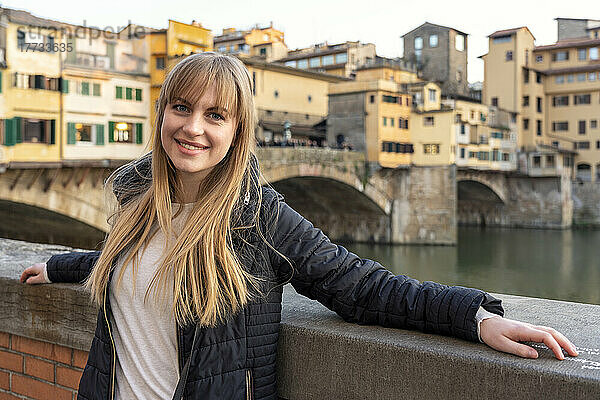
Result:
pixel 209 282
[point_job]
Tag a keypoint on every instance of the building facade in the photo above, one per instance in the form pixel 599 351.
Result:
pixel 440 54
pixel 267 43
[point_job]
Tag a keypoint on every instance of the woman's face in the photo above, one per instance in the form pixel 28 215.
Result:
pixel 197 136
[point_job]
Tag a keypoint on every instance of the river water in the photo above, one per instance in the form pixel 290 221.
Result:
pixel 552 264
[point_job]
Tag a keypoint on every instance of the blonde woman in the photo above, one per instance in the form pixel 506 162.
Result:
pixel 190 277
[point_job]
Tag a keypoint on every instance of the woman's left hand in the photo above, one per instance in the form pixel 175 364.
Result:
pixel 504 334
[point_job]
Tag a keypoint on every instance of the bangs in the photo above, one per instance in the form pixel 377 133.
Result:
pixel 191 81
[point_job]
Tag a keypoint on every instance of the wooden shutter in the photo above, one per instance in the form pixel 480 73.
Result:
pixel 119 92
pixel 52 131
pixel 128 93
pixel 138 94
pixel 18 132
pixel 138 134
pixel 65 86
pixel 71 133
pixel 0 81
pixel 111 131
pixel 100 134
pixel 9 132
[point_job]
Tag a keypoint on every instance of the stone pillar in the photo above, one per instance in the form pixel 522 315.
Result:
pixel 424 206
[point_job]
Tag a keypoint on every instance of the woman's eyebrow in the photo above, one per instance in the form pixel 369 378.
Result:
pixel 218 109
pixel 181 100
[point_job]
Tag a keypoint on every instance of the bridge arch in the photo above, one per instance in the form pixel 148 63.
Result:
pixel 481 199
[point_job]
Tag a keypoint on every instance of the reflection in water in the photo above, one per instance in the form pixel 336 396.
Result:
pixel 552 264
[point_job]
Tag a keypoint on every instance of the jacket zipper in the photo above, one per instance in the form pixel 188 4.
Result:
pixel 114 352
pixel 249 384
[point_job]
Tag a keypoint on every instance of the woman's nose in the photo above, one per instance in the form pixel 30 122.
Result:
pixel 194 125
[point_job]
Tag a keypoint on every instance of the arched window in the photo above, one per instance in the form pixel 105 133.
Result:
pixel 584 172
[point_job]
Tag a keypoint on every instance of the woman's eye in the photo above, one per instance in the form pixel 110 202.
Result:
pixel 216 116
pixel 180 108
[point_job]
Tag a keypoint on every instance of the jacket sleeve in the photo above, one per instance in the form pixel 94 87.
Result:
pixel 363 291
pixel 71 267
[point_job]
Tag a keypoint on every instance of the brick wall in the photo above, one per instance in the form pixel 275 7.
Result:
pixel 32 369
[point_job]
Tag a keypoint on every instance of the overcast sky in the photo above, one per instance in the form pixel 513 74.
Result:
pixel 312 21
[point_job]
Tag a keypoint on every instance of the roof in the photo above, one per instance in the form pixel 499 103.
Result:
pixel 583 68
pixel 439 26
pixel 580 42
pixel 276 66
pixel 506 32
pixel 26 18
pixel 318 52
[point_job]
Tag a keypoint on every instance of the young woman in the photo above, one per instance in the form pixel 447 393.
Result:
pixel 190 277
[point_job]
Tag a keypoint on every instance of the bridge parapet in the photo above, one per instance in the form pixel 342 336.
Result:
pixel 320 356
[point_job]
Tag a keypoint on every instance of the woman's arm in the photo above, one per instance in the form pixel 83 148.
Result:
pixel 363 291
pixel 72 267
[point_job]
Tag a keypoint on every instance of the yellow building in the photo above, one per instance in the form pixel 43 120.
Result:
pixel 30 77
pixel 284 94
pixel 371 114
pixel 168 46
pixel 267 43
pixel 338 59
pixel 554 93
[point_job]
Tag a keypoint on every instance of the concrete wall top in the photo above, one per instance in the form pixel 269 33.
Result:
pixel 321 356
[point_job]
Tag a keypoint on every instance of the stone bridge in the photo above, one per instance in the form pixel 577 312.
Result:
pixel 336 190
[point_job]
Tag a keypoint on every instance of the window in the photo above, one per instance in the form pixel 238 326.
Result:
pixel 119 92
pixel 538 77
pixel 392 122
pixel 537 161
pixel 160 63
pixel 593 124
pixel 262 52
pixel 462 152
pixel 431 149
pixel 582 125
pixel 539 59
pixel 389 99
pixel 538 127
pixel 433 40
pixel 560 101
pixel 538 101
pixel 129 93
pixel 372 99
pixel 315 62
pixel 459 43
pixel 303 63
pixel 459 76
pixel 526 124
pixel 428 121
pixel 585 145
pixel 384 121
pixel 96 89
pixel 559 79
pixel 309 98
pixel 560 126
pixel 593 53
pixel 290 63
pixel 432 95
pixel 525 75
pixel 581 54
pixel 555 143
pixel 591 76
pixel 328 60
pixel 125 132
pixel 502 39
pixel 483 155
pixel 495 101
pixel 418 43
pixel 560 56
pixel 581 77
pixel 581 99
pixel 84 88
pixel 509 55
pixel 138 94
pixel 570 78
pixel 341 58
pixel 276 94
pixel 525 101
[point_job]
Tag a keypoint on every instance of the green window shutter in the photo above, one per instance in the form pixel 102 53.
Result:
pixel 9 132
pixel 18 133
pixel 119 92
pixel 111 130
pixel 138 134
pixel 0 81
pixel 71 133
pixel 85 88
pixel 100 134
pixel 65 86
pixel 128 93
pixel 138 94
pixel 52 131
pixel 96 89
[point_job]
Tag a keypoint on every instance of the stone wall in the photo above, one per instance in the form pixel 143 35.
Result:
pixel 347 117
pixel 586 204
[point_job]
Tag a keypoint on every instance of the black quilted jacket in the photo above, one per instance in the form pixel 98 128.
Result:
pixel 236 360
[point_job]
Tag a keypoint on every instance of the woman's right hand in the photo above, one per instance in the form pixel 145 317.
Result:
pixel 34 275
